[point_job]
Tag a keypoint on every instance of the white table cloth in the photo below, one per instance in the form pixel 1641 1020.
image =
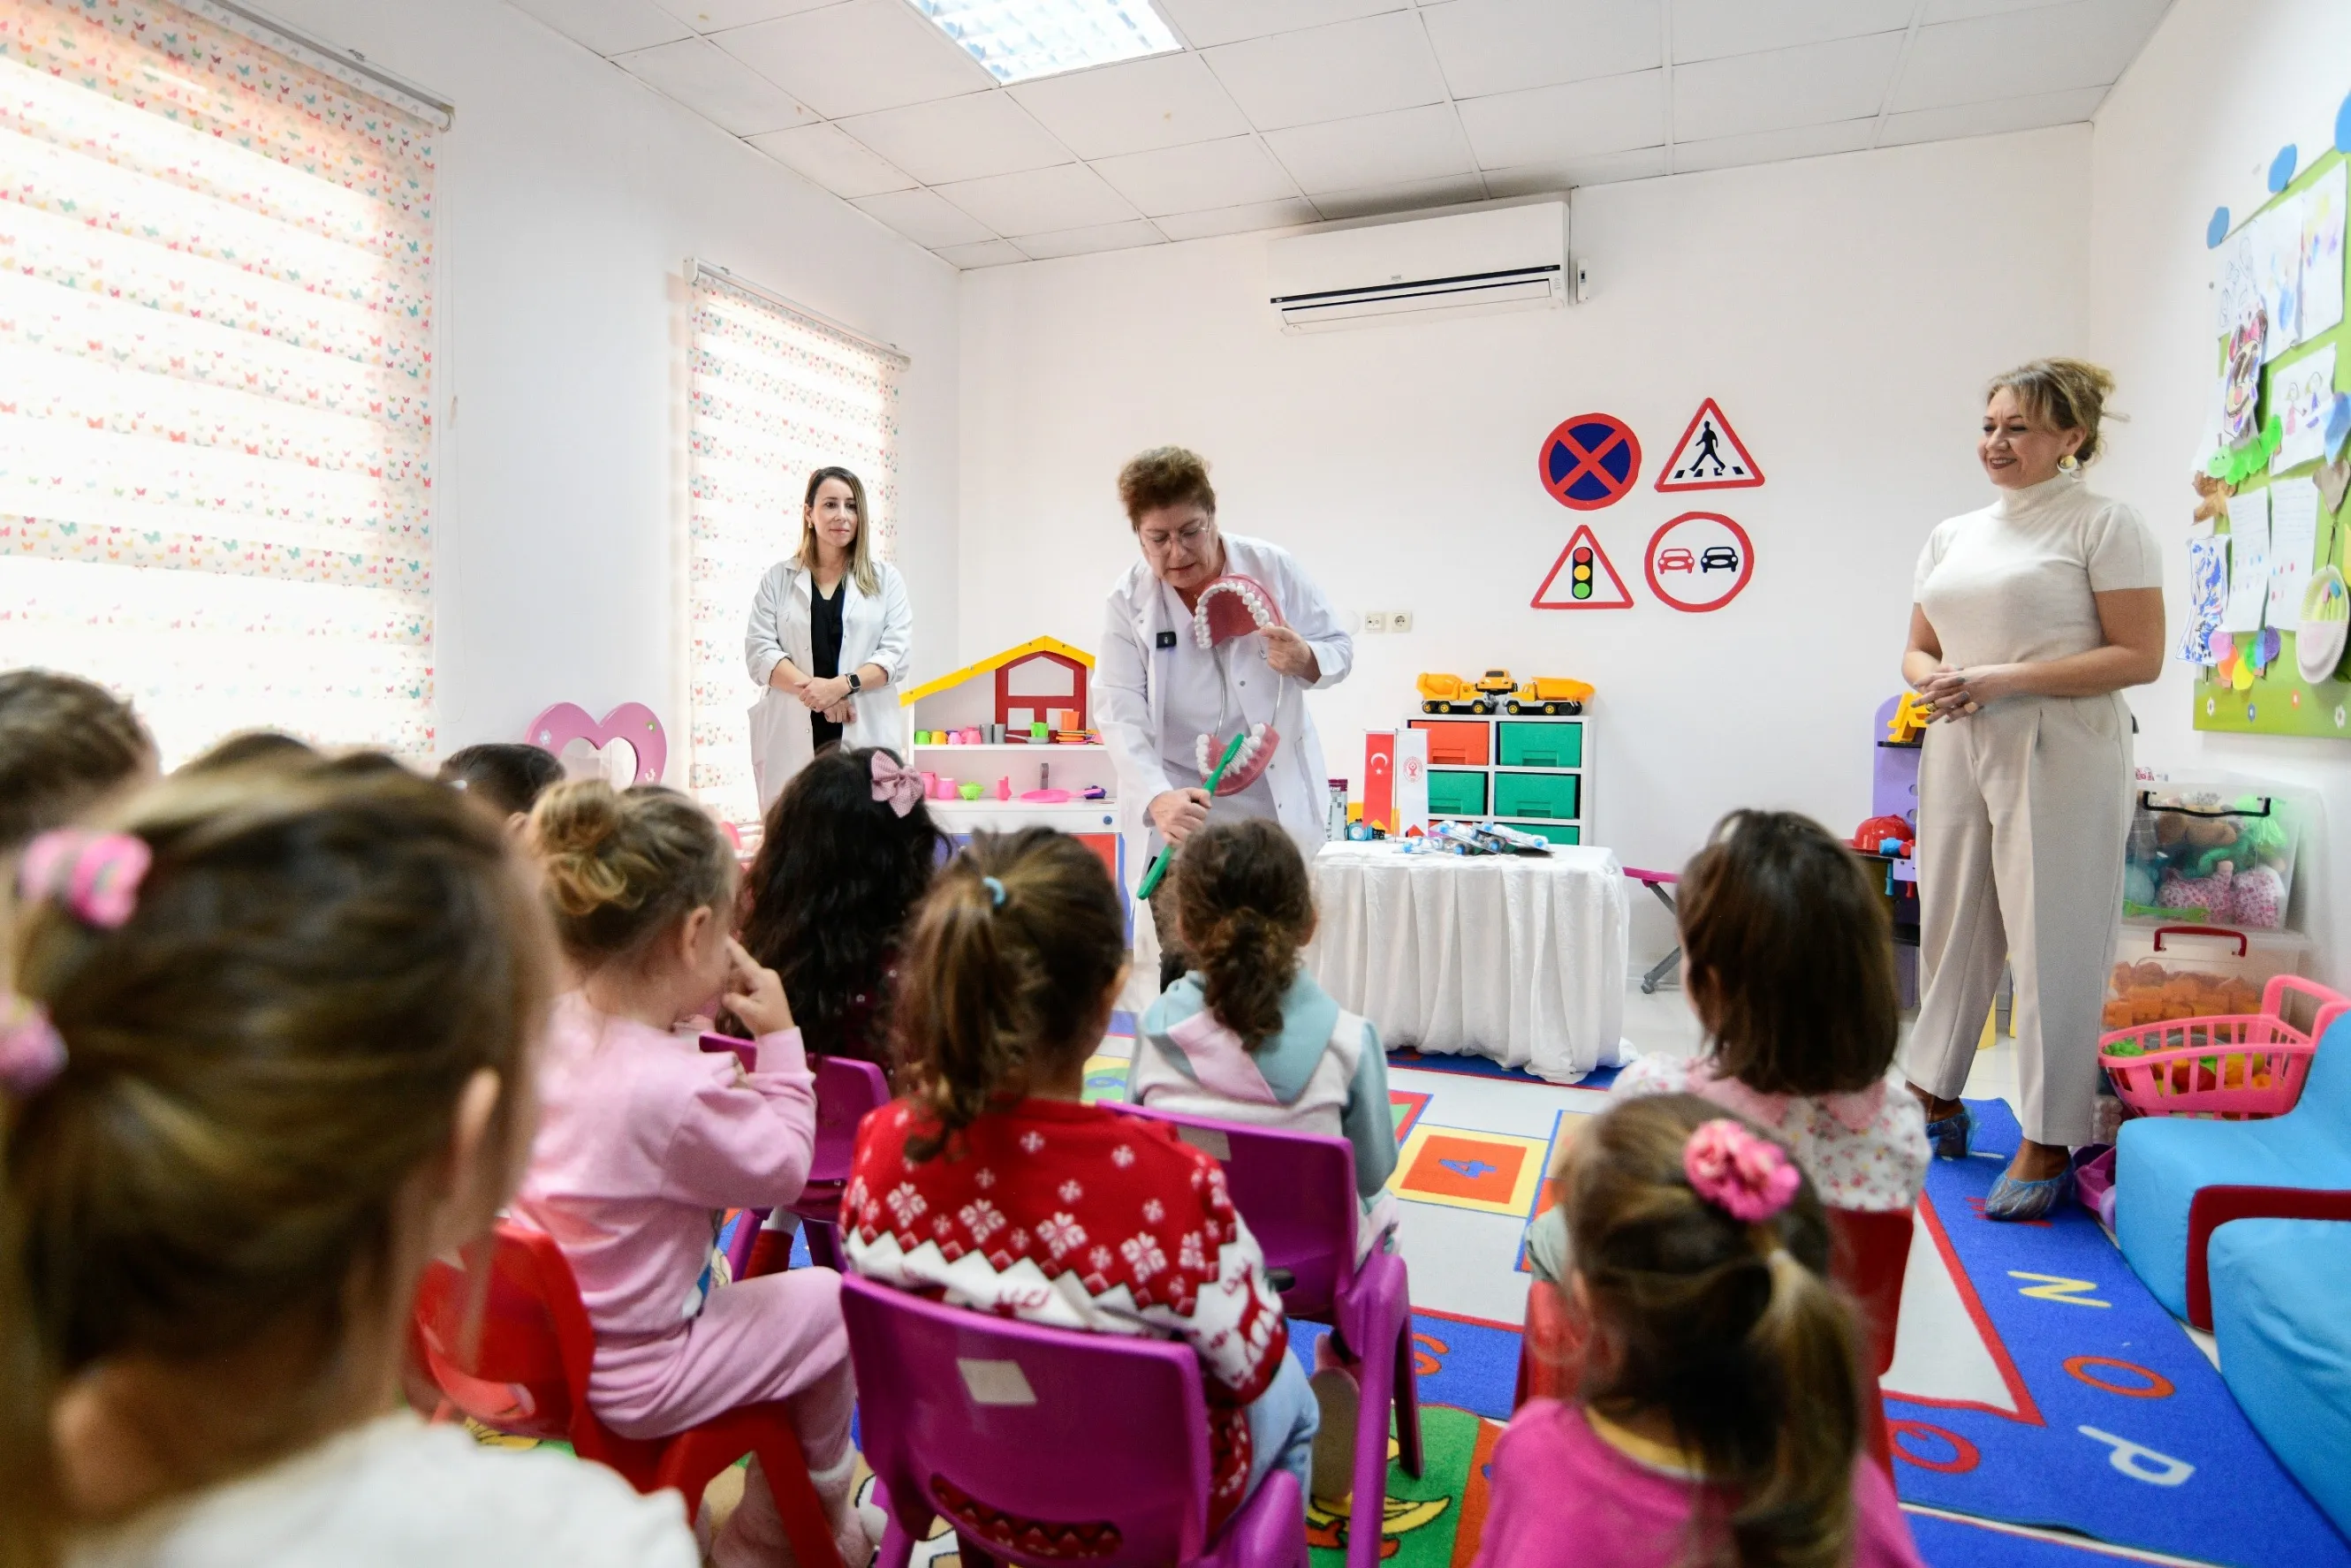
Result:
pixel 1519 959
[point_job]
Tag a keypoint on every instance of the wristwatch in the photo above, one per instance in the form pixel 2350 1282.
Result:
pixel 855 684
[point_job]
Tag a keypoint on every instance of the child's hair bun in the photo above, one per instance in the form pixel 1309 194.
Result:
pixel 578 826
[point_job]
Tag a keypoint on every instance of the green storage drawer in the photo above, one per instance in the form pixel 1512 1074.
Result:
pixel 1541 745
pixel 1452 793
pixel 1549 795
pixel 1557 833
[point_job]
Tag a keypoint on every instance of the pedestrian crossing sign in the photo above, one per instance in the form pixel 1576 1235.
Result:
pixel 1710 457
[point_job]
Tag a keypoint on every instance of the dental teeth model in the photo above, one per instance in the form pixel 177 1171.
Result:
pixel 1257 750
pixel 1232 607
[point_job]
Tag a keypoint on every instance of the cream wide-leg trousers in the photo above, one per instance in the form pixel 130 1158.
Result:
pixel 2023 809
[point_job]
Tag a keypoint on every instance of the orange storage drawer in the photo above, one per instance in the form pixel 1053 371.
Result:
pixel 1458 743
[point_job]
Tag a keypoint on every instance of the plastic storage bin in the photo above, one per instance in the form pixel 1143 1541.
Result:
pixel 1461 742
pixel 1550 745
pixel 2163 972
pixel 2236 1067
pixel 1547 795
pixel 1453 794
pixel 2214 851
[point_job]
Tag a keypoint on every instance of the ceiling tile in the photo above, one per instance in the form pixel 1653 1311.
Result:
pixel 608 27
pixel 1376 150
pixel 834 160
pixel 1710 29
pixel 986 253
pixel 857 57
pixel 1331 73
pixel 1204 23
pixel 1549 124
pixel 718 16
pixel 926 218
pixel 2085 42
pixel 1163 101
pixel 1985 119
pixel 716 86
pixel 1772 146
pixel 1227 173
pixel 1238 220
pixel 1039 200
pixel 964 138
pixel 1812 84
pixel 1092 238
pixel 1605 169
pixel 1501 45
pixel 1410 195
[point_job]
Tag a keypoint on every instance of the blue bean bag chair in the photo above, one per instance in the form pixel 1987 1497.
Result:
pixel 2161 1163
pixel 2279 1286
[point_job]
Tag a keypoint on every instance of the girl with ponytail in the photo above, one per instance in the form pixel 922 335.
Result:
pixel 993 1185
pixel 1720 1416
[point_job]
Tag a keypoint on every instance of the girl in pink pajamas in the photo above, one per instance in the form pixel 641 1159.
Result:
pixel 644 1140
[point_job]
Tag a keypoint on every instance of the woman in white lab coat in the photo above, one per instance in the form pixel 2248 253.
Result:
pixel 1159 694
pixel 829 633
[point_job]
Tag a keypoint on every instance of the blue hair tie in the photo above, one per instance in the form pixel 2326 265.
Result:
pixel 995 891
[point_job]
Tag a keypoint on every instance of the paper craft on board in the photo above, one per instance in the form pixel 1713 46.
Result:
pixel 2276 237
pixel 2208 592
pixel 2249 561
pixel 2303 393
pixel 2322 253
pixel 2294 539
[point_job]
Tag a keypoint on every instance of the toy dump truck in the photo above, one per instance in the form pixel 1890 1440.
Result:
pixel 1548 693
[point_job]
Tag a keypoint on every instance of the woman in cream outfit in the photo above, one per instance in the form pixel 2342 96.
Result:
pixel 829 632
pixel 2030 616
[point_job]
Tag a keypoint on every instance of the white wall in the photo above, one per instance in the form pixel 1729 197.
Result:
pixel 569 197
pixel 2222 86
pixel 1844 311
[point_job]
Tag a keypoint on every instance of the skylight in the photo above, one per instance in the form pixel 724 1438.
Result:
pixel 1018 39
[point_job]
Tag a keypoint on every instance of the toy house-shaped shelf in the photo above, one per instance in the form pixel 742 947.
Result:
pixel 1532 772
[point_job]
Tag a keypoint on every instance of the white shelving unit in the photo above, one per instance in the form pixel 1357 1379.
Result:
pixel 1525 769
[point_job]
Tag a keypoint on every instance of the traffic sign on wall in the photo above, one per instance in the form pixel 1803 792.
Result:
pixel 1590 461
pixel 1710 457
pixel 1699 561
pixel 1583 578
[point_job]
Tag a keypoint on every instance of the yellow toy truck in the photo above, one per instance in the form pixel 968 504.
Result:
pixel 1496 689
pixel 1552 694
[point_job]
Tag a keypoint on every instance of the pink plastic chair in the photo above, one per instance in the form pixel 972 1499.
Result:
pixel 846 1090
pixel 999 1427
pixel 1297 1190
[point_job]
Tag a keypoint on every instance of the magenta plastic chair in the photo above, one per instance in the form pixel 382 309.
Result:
pixel 1297 1190
pixel 846 1090
pixel 1045 1446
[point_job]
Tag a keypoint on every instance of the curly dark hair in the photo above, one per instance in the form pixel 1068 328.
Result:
pixel 1246 908
pixel 827 898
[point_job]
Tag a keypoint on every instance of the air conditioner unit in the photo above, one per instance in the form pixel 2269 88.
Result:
pixel 1472 263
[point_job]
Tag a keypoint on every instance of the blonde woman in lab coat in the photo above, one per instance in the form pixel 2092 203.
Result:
pixel 830 630
pixel 1164 702
pixel 2029 618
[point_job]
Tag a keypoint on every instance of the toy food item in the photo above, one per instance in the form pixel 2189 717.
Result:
pixel 969 791
pixel 1232 606
pixel 2151 991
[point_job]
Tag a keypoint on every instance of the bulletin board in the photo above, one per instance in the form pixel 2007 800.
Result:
pixel 2274 462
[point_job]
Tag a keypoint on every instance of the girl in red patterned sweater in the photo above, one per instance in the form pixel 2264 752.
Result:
pixel 993 1185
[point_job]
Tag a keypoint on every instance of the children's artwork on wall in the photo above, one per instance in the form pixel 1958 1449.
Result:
pixel 1699 561
pixel 2275 238
pixel 2321 255
pixel 2208 588
pixel 2294 539
pixel 1710 457
pixel 1582 577
pixel 2303 394
pixel 2249 562
pixel 1589 461
pixel 626 747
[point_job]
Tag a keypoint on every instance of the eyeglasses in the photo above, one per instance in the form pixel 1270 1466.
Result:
pixel 1189 536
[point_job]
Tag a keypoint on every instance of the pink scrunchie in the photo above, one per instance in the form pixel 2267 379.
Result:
pixel 31 1053
pixel 95 876
pixel 1748 1177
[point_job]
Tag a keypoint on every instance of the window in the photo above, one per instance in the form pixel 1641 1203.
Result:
pixel 215 373
pixel 774 394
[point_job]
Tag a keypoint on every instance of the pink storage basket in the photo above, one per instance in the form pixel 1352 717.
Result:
pixel 2236 1067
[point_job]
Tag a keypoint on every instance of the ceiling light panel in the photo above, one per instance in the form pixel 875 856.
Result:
pixel 1019 39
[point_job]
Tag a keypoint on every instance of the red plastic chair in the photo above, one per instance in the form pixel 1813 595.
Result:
pixel 846 1091
pixel 522 1369
pixel 1869 1255
pixel 1297 1190
pixel 998 1425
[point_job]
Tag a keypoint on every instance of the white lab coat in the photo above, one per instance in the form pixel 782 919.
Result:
pixel 875 629
pixel 1132 680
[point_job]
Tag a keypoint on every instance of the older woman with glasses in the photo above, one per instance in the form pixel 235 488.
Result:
pixel 1211 636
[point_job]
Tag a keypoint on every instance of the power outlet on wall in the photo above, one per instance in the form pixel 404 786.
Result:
pixel 1399 619
pixel 1375 622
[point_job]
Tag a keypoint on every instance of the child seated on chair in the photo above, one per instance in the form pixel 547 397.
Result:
pixel 993 1185
pixel 506 776
pixel 644 1140
pixel 271 1056
pixel 1788 964
pixel 1719 1417
pixel 848 849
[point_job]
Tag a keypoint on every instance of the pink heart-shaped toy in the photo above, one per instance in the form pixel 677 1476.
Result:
pixel 632 724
